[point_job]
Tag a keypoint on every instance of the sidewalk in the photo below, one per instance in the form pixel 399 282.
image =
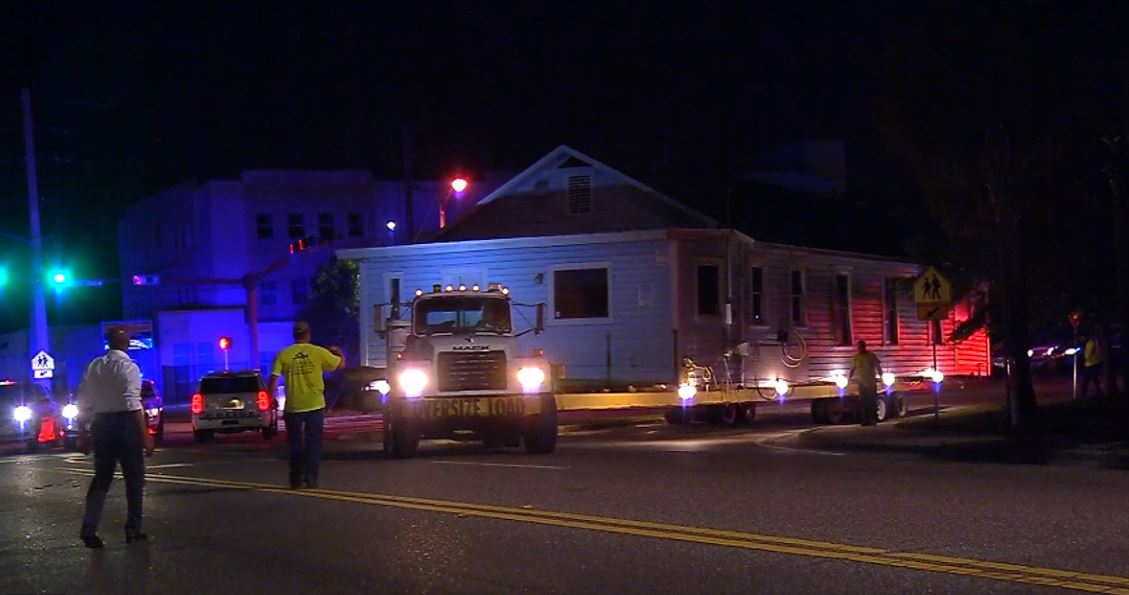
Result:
pixel 977 434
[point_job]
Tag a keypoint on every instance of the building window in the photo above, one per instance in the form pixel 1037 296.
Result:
pixel 268 293
pixel 580 293
pixel 843 310
pixel 394 297
pixel 758 296
pixel 356 225
pixel 709 290
pixel 799 313
pixel 264 227
pixel 325 227
pixel 938 334
pixel 299 292
pixel 579 194
pixel 890 292
pixel 295 226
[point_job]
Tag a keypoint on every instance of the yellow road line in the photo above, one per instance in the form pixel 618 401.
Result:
pixel 1015 573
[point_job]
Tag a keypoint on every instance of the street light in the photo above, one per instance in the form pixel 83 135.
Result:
pixel 457 186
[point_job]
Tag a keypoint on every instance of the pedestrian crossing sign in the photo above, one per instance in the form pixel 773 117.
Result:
pixel 932 288
pixel 42 365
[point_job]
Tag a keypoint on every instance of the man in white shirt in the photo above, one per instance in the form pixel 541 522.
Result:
pixel 110 399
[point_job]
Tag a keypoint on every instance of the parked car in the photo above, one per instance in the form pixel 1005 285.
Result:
pixel 227 402
pixel 29 415
pixel 154 410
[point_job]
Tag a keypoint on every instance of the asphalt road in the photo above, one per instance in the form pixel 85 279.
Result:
pixel 646 508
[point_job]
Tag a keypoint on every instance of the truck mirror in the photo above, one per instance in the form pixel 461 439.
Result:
pixel 378 318
pixel 742 349
pixel 539 321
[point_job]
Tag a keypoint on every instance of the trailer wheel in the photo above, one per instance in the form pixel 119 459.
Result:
pixel 540 434
pixel 839 411
pixel 679 415
pixel 881 409
pixel 746 412
pixel 401 439
pixel 723 415
pixel 899 409
pixel 819 411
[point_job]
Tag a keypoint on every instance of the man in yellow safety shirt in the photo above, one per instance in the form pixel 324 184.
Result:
pixel 1092 360
pixel 303 365
pixel 866 368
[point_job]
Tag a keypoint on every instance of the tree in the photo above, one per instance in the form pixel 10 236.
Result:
pixel 334 306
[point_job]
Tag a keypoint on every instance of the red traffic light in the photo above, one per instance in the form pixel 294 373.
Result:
pixel 225 343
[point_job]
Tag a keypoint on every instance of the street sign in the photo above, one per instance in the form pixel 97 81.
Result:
pixel 42 365
pixel 932 288
pixel 932 311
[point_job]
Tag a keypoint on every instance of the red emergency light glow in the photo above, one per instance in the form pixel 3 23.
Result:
pixel 263 400
pixel 225 343
pixel 458 184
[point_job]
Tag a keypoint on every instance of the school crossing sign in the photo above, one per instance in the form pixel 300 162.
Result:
pixel 933 295
pixel 42 366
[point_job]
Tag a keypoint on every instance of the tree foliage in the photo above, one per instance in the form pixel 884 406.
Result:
pixel 334 305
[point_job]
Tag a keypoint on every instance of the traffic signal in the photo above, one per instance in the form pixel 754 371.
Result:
pixel 3 277
pixel 59 279
pixel 225 343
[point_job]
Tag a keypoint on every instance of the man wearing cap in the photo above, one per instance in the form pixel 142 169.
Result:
pixel 303 365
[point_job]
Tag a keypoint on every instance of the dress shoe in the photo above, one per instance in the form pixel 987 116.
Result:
pixel 92 541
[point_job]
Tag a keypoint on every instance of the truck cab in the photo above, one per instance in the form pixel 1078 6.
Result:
pixel 460 372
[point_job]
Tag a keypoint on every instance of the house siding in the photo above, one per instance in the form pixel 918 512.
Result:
pixel 637 335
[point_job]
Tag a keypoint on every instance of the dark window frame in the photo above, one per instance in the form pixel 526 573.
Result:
pixel 704 305
pixel 264 226
pixel 841 298
pixel 756 297
pixel 890 311
pixel 577 307
pixel 798 297
pixel 295 226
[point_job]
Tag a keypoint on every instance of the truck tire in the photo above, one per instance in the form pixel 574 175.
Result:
pixel 540 434
pixel 401 440
pixel 746 412
pixel 723 415
pixel 819 411
pixel 882 409
pixel 839 411
pixel 899 409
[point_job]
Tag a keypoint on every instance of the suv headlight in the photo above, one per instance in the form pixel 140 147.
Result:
pixel 413 382
pixel 531 379
pixel 70 411
pixel 22 413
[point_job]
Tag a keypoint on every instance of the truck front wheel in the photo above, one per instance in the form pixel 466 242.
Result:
pixel 401 440
pixel 540 433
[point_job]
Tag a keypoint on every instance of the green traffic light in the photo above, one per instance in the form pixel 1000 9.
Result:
pixel 3 277
pixel 59 278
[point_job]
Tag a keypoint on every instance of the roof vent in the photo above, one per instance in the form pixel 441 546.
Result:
pixel 579 194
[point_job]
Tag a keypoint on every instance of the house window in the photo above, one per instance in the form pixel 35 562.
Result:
pixel 580 293
pixel 325 227
pixel 799 315
pixel 758 296
pixel 295 226
pixel 268 293
pixel 843 310
pixel 709 290
pixel 299 292
pixel 394 297
pixel 890 293
pixel 356 225
pixel 579 194
pixel 264 227
pixel 938 334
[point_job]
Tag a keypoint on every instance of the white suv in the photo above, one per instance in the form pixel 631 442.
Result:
pixel 229 402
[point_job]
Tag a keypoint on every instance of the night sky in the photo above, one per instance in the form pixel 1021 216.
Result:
pixel 132 98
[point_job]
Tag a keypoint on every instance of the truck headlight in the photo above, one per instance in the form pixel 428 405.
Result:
pixel 381 386
pixel 70 411
pixel 888 379
pixel 687 391
pixel 22 413
pixel 413 382
pixel 531 379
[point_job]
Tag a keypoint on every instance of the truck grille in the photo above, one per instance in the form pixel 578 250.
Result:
pixel 480 370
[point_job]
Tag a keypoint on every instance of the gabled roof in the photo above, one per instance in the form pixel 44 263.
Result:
pixel 565 154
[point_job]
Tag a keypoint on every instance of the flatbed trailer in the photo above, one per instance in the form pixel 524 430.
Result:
pixel 830 403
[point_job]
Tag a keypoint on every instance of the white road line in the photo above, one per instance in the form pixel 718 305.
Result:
pixel 514 465
pixel 169 465
pixel 763 442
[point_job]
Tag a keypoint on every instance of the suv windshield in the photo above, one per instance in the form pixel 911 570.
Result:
pixel 462 314
pixel 229 384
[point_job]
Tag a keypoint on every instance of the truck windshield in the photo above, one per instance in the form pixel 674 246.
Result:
pixel 462 314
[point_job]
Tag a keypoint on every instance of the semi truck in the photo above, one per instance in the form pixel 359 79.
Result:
pixel 455 371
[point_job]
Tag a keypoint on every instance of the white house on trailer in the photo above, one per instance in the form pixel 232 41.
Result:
pixel 633 281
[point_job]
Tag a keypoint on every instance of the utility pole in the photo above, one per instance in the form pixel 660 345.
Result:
pixel 409 208
pixel 38 339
